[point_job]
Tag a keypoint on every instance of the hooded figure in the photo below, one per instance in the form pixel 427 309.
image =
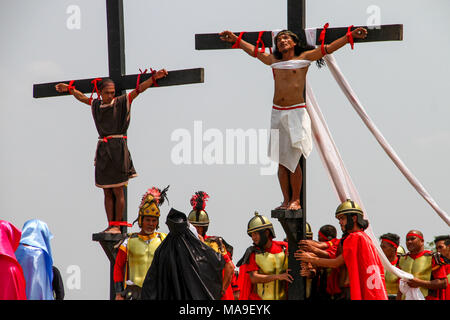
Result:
pixel 35 256
pixel 11 275
pixel 183 268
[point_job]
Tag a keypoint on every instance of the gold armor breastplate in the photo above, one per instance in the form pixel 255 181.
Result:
pixel 140 256
pixel 216 244
pixel 419 268
pixel 272 263
pixel 391 282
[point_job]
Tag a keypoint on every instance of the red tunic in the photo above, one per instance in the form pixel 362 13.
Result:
pixel 228 295
pixel 364 266
pixel 439 270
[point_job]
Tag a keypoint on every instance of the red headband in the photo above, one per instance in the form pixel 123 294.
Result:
pixel 390 242
pixel 412 234
pixel 324 236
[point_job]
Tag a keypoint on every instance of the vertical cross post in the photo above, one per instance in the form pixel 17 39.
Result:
pixel 123 82
pixel 294 222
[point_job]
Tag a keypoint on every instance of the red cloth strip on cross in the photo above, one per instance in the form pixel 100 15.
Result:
pixel 139 80
pixel 350 36
pixel 71 86
pixel 237 44
pixel 322 38
pixel 258 42
pixel 153 72
pixel 95 89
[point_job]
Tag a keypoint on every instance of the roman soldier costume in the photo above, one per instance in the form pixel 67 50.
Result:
pixel 136 252
pixel 424 265
pixel 365 270
pixel 199 217
pixel 269 261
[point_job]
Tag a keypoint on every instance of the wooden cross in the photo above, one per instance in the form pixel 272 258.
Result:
pixel 116 63
pixel 294 222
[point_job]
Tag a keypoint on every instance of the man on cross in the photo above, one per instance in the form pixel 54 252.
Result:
pixel 113 164
pixel 290 123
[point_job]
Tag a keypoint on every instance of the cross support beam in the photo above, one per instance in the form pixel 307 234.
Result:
pixel 391 32
pixel 175 77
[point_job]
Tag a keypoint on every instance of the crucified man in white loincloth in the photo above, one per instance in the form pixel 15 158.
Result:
pixel 290 123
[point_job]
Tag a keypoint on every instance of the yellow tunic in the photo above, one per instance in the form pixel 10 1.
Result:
pixel 140 252
pixel 272 263
pixel 419 267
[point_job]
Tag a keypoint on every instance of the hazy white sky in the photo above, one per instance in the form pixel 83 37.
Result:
pixel 48 144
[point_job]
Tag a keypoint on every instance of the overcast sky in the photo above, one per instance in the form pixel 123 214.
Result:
pixel 48 144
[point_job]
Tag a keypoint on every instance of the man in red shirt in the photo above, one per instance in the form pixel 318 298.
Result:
pixel 365 271
pixel 443 248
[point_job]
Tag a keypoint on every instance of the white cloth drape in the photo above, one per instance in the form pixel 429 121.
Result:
pixel 337 172
pixel 351 96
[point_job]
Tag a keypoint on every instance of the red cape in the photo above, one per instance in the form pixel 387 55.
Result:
pixel 245 286
pixel 12 279
pixel 364 266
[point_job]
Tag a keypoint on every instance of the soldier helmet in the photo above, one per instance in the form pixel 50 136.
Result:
pixel 351 208
pixel 150 203
pixel 258 223
pixel 198 216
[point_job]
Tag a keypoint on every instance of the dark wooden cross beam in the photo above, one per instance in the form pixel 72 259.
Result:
pixel 294 222
pixel 116 64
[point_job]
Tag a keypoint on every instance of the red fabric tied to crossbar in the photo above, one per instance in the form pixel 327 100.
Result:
pixel 139 80
pixel 322 38
pixel 95 89
pixel 237 44
pixel 71 86
pixel 258 42
pixel 153 72
pixel 350 36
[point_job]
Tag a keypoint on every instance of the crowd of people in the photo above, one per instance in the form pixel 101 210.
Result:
pixel 189 264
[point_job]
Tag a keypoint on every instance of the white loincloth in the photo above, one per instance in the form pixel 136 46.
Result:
pixel 290 135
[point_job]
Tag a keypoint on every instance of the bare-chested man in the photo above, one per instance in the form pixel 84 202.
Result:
pixel 290 123
pixel 113 164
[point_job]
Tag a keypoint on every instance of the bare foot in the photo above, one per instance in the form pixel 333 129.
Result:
pixel 283 206
pixel 112 229
pixel 294 205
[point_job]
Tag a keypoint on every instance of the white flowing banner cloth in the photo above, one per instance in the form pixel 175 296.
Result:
pixel 340 178
pixel 351 96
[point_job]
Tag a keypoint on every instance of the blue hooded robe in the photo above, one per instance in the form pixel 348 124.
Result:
pixel 35 256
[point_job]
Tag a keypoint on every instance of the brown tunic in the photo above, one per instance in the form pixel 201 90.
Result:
pixel 113 164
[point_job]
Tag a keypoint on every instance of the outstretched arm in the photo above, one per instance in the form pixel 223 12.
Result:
pixel 148 83
pixel 64 87
pixel 230 37
pixel 321 262
pixel 316 54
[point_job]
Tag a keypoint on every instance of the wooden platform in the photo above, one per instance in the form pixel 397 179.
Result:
pixel 287 214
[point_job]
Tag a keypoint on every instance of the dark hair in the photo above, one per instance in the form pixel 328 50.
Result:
pixel 392 237
pixel 440 238
pixel 103 83
pixel 300 46
pixel 360 221
pixel 328 231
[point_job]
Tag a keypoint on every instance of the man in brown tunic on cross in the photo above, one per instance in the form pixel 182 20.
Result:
pixel 113 164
